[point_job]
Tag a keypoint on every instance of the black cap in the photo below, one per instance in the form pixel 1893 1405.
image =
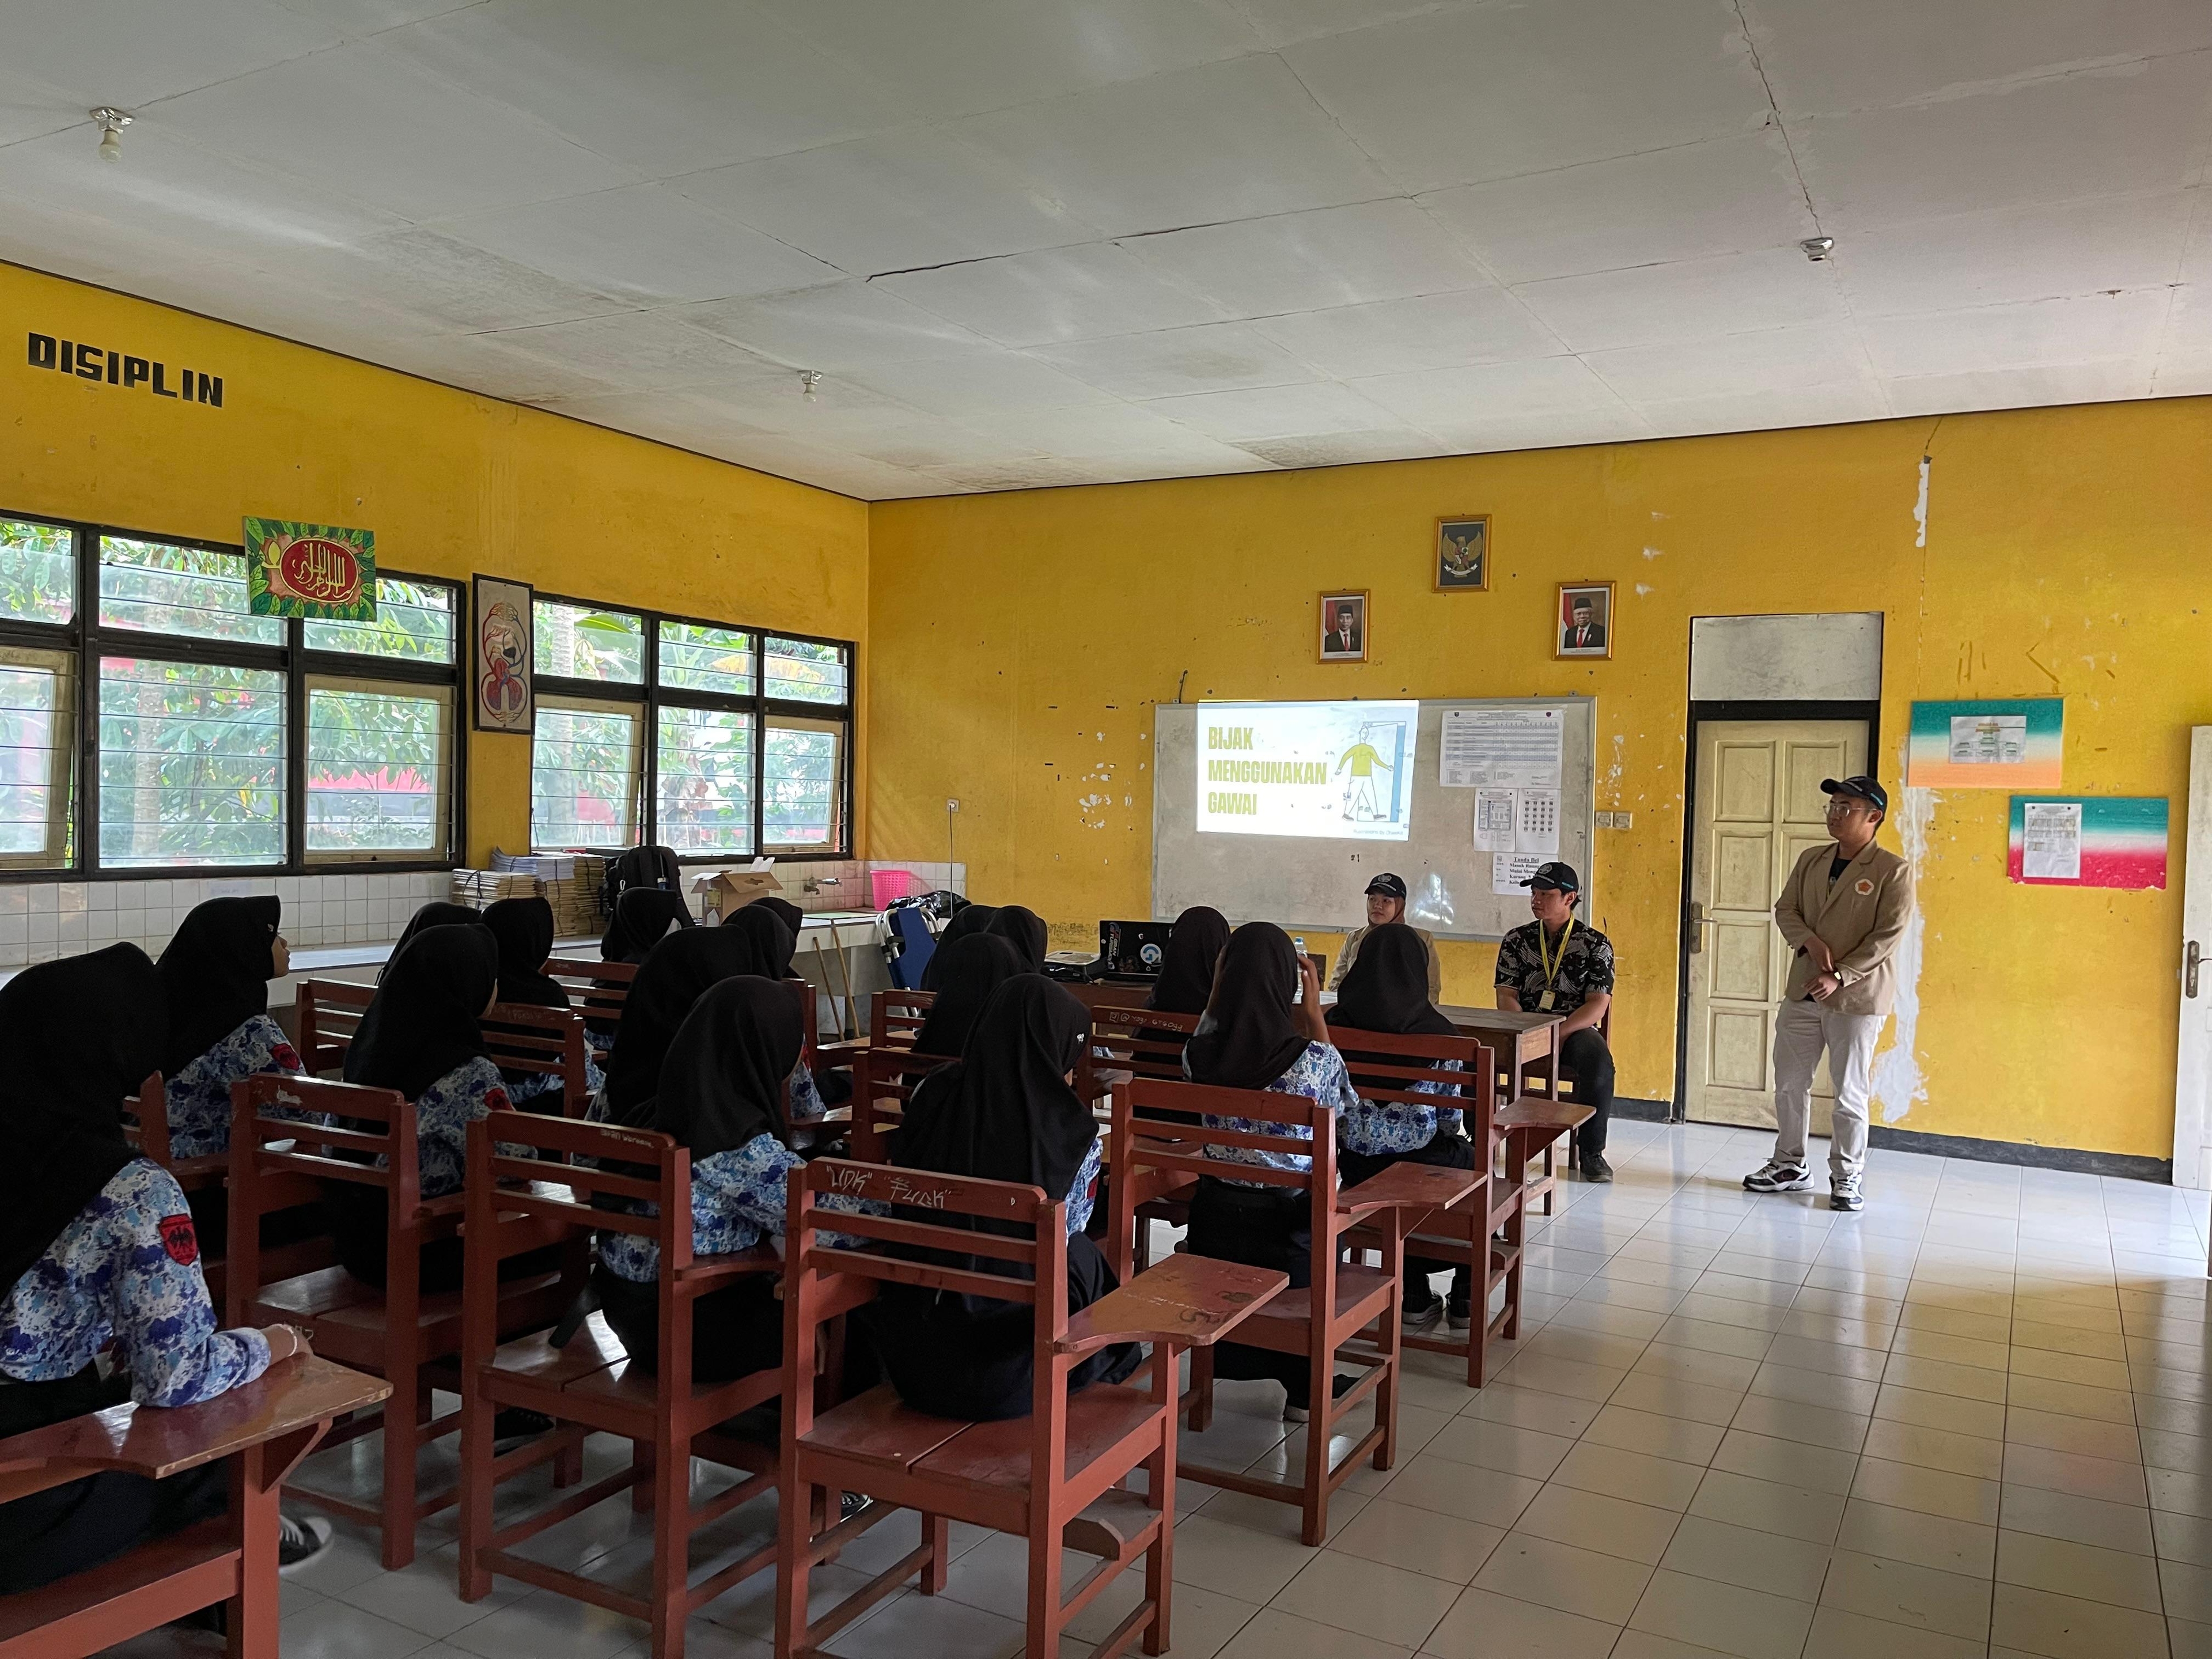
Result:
pixel 1864 787
pixel 1561 876
pixel 1389 885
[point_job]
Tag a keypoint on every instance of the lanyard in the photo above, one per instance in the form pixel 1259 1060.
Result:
pixel 1551 968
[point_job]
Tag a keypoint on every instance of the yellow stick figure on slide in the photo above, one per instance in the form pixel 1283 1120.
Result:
pixel 1363 757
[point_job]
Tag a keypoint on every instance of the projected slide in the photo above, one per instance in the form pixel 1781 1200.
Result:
pixel 1340 771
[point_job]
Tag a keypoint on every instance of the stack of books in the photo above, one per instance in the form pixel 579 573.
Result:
pixel 479 888
pixel 571 883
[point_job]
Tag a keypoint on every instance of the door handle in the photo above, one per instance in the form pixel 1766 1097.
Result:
pixel 1698 924
pixel 2189 960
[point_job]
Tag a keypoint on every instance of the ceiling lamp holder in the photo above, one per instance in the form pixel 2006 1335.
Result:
pixel 808 379
pixel 112 123
pixel 1818 248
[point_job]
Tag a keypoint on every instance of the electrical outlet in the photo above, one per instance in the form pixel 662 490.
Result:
pixel 1616 820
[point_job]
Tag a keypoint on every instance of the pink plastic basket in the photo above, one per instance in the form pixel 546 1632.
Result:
pixel 887 887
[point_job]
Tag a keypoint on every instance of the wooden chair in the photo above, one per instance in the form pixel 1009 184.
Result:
pixel 597 990
pixel 1128 1042
pixel 1057 1478
pixel 1323 1322
pixel 883 1082
pixel 146 1126
pixel 396 1332
pixel 591 1384
pixel 328 1012
pixel 1384 1068
pixel 522 1036
pixel 265 1426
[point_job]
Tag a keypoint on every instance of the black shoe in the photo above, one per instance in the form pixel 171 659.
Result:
pixel 1298 1411
pixel 850 1504
pixel 299 1542
pixel 512 1426
pixel 1418 1316
pixel 1595 1169
pixel 1459 1313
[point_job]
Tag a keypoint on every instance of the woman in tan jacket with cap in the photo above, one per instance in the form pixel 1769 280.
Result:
pixel 1386 902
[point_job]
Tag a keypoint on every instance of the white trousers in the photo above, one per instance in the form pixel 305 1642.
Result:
pixel 1802 1030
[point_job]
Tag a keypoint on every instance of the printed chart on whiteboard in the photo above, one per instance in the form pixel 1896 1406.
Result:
pixel 1501 748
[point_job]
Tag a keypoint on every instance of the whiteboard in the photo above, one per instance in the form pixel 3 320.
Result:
pixel 1320 885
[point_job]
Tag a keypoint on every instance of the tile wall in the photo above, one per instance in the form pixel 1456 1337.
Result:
pixel 41 921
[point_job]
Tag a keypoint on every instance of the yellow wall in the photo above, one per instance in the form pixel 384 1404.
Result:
pixel 2067 552
pixel 451 483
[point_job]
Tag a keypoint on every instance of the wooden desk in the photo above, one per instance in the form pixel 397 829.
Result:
pixel 1521 1040
pixel 265 1426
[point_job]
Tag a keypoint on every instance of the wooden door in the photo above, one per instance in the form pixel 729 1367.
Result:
pixel 1759 806
pixel 2192 1089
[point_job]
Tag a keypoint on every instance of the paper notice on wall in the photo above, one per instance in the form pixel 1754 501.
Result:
pixel 1988 740
pixel 1493 820
pixel 2051 849
pixel 1500 748
pixel 1537 831
pixel 1508 870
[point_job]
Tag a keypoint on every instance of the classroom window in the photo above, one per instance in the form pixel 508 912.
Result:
pixel 584 774
pixel 191 764
pixel 38 572
pixel 803 776
pixel 150 719
pixel 37 753
pixel 185 592
pixel 578 642
pixel 808 671
pixel 704 781
pixel 696 657
pixel 414 622
pixel 750 735
pixel 380 760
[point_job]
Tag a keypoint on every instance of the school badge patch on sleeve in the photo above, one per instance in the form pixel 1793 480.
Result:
pixel 179 1240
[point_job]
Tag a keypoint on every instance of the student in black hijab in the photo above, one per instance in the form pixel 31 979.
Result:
pixel 98 1254
pixel 973 968
pixel 678 972
pixel 1255 1035
pixel 420 1037
pixel 782 910
pixel 523 928
pixel 1005 1111
pixel 214 982
pixel 436 913
pixel 1186 980
pixel 721 1094
pixel 1387 989
pixel 774 941
pixel 967 921
pixel 642 918
pixel 1024 929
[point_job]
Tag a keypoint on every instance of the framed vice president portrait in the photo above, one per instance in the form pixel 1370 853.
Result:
pixel 1462 554
pixel 1583 624
pixel 1344 627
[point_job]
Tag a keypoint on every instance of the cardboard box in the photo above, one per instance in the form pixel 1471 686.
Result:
pixel 732 890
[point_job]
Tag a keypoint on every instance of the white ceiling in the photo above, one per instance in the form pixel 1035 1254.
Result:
pixel 1062 241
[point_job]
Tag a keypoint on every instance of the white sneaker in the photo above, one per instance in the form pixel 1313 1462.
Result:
pixel 1844 1193
pixel 299 1542
pixel 1776 1176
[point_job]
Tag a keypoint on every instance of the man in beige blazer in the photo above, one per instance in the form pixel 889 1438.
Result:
pixel 1842 912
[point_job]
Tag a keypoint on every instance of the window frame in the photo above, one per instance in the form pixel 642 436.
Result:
pixel 86 639
pixel 631 708
pixel 317 680
pixel 651 696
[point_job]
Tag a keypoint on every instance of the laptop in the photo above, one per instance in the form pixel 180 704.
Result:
pixel 1133 950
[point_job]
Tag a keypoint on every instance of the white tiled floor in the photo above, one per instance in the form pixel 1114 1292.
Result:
pixel 1972 1420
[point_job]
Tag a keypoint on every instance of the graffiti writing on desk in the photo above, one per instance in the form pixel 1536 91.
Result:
pixel 897 1189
